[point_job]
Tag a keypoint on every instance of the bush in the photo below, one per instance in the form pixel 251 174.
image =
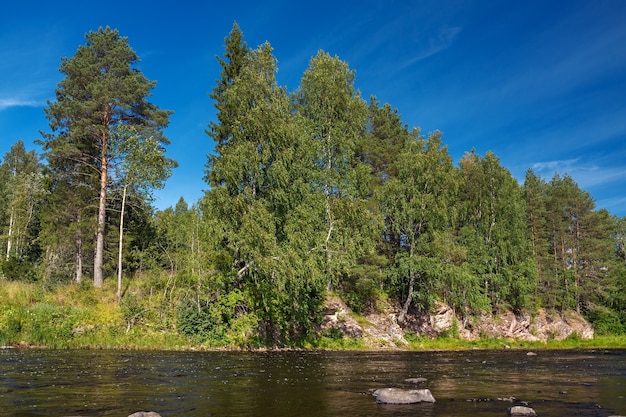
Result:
pixel 606 322
pixel 220 321
pixel 361 288
pixel 132 309
pixel 199 320
pixel 17 269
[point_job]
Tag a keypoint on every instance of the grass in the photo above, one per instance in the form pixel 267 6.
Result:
pixel 79 316
pixel 447 343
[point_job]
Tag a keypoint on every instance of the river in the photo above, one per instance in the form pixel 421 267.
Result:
pixel 175 384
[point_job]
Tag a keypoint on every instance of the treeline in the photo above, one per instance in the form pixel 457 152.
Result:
pixel 310 192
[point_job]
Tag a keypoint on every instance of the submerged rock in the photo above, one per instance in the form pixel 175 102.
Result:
pixel 415 380
pixel 519 410
pixel 401 396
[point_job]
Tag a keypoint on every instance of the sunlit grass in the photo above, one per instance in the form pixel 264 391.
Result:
pixel 83 317
pixel 601 342
pixel 14 293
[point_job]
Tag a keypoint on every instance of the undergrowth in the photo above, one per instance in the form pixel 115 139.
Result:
pixel 150 316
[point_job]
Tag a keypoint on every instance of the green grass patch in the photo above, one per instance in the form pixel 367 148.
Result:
pixel 80 316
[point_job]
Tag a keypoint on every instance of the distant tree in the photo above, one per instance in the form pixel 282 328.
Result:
pixel 418 204
pixel 620 238
pixel 535 192
pixel 21 191
pixel 493 228
pixel 101 91
pixel 580 243
pixel 383 140
pixel 616 289
pixel 184 244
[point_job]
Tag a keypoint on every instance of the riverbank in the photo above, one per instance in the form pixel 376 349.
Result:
pixel 82 317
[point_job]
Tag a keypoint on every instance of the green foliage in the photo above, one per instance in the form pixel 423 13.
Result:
pixel 86 146
pixel 21 194
pixel 133 309
pixel 493 228
pixel 361 287
pixel 309 192
pixel 219 321
pixel 17 269
pixel 606 322
pixel 195 320
pixel 42 324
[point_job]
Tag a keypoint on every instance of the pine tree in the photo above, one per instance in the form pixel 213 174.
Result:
pixel 383 140
pixel 580 242
pixel 101 91
pixel 221 131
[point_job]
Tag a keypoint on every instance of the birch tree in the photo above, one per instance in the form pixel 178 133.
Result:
pixel 144 167
pixel 418 204
pixel 21 191
pixel 335 115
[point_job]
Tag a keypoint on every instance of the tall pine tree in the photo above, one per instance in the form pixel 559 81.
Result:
pixel 101 91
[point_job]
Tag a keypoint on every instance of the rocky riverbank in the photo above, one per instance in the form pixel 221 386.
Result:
pixel 380 329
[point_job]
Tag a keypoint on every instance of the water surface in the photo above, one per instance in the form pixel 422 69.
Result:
pixel 177 384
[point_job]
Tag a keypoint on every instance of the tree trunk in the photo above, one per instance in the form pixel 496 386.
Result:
pixel 79 260
pixel 9 235
pixel 99 255
pixel 119 254
pixel 409 298
pixel 329 216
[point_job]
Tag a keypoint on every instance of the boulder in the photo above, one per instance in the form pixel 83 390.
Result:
pixel 145 414
pixel 519 410
pixel 401 396
pixel 442 318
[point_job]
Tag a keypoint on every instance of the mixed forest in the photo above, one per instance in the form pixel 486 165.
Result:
pixel 311 192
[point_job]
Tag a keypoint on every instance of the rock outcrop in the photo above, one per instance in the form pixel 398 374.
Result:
pixel 380 329
pixel 541 326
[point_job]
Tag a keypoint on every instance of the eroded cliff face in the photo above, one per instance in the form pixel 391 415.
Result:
pixel 380 329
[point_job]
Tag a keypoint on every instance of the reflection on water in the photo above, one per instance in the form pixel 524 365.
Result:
pixel 176 384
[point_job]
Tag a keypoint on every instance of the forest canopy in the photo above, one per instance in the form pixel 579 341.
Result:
pixel 311 192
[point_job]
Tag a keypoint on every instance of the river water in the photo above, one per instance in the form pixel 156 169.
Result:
pixel 176 384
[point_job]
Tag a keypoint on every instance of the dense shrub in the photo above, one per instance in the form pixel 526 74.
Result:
pixel 606 322
pixel 17 269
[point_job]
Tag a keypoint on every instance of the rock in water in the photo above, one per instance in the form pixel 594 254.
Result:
pixel 401 396
pixel 415 380
pixel 519 410
pixel 145 414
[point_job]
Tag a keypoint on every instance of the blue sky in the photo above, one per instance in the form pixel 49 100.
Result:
pixel 540 83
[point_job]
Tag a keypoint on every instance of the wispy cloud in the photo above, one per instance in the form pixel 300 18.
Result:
pixel 6 103
pixel 435 44
pixel 587 175
pixel 612 204
pixel 555 166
